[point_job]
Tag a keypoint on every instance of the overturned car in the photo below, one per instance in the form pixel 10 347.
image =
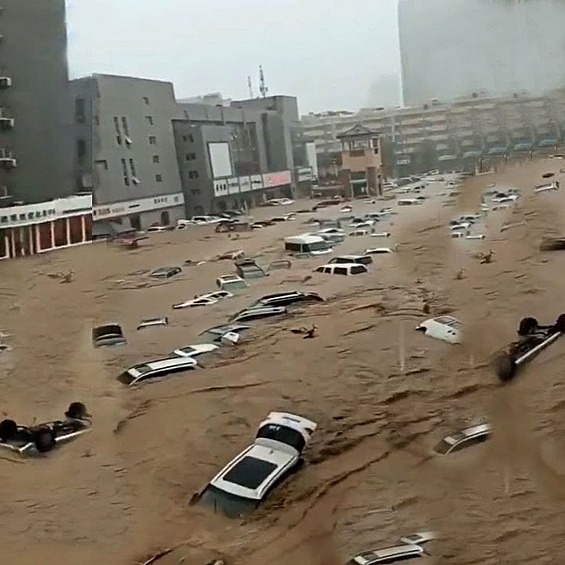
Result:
pixel 533 338
pixel 43 437
pixel 248 478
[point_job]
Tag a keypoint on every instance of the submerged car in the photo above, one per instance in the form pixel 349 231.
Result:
pixel 195 302
pixel 404 552
pixel 153 370
pixel 287 298
pixel 108 335
pixel 464 438
pixel 248 478
pixel 226 333
pixel 195 350
pixel 445 328
pixel 152 322
pixel 418 538
pixel 43 437
pixel 165 272
pixel 230 283
pixel 258 312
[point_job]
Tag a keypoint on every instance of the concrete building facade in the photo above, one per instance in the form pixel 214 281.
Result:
pixel 35 163
pixel 452 48
pixel 445 135
pixel 124 149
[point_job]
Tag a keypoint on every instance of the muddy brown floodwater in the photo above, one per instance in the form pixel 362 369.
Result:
pixel 381 393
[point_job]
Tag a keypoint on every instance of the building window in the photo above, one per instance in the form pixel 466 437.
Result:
pixel 118 131
pixel 155 158
pixel 190 156
pixel 190 138
pixel 4 219
pixel 146 100
pixel 132 168
pixel 152 140
pixel 102 164
pixel 14 217
pixel 125 172
pixel 193 174
pixel 149 120
pixel 22 216
pixel 80 110
pixel 125 126
pixel 96 120
pixel 81 150
pixel 158 178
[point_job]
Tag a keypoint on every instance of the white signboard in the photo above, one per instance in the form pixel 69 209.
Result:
pixel 244 184
pixel 220 159
pixel 256 182
pixel 233 186
pixel 220 188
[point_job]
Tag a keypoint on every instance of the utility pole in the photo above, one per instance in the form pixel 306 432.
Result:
pixel 250 86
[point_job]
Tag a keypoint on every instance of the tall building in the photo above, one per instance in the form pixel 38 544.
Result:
pixel 452 48
pixel 35 155
pixel 447 135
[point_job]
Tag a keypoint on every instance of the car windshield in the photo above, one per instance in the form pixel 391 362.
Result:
pixel 126 379
pixel 318 246
pixel 250 472
pixel 283 434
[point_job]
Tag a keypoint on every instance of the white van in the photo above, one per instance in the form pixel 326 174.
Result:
pixel 342 269
pixel 312 244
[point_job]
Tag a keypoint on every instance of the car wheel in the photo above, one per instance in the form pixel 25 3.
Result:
pixel 44 439
pixel 560 324
pixel 505 367
pixel 8 430
pixel 527 326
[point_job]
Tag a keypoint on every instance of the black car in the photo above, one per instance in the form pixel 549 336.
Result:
pixel 108 334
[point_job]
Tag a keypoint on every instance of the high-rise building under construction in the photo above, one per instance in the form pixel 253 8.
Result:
pixel 452 48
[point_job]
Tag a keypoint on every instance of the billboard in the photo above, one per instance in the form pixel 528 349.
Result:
pixel 276 179
pixel 220 159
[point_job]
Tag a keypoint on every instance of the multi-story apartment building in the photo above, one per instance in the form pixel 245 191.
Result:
pixel 35 154
pixel 149 159
pixel 452 48
pixel 454 134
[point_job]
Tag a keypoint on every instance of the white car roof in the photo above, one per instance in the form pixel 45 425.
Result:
pixel 340 265
pixel 375 556
pixel 229 278
pixel 168 363
pixel 374 250
pixel 298 423
pixel 198 348
pixel 418 538
pixel 281 460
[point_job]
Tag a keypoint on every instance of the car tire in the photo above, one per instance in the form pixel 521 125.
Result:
pixel 44 439
pixel 505 367
pixel 8 430
pixel 527 326
pixel 560 324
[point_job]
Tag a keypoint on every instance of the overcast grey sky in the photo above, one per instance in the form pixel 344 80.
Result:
pixel 332 54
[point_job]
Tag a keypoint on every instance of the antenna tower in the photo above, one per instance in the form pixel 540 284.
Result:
pixel 262 86
pixel 250 86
